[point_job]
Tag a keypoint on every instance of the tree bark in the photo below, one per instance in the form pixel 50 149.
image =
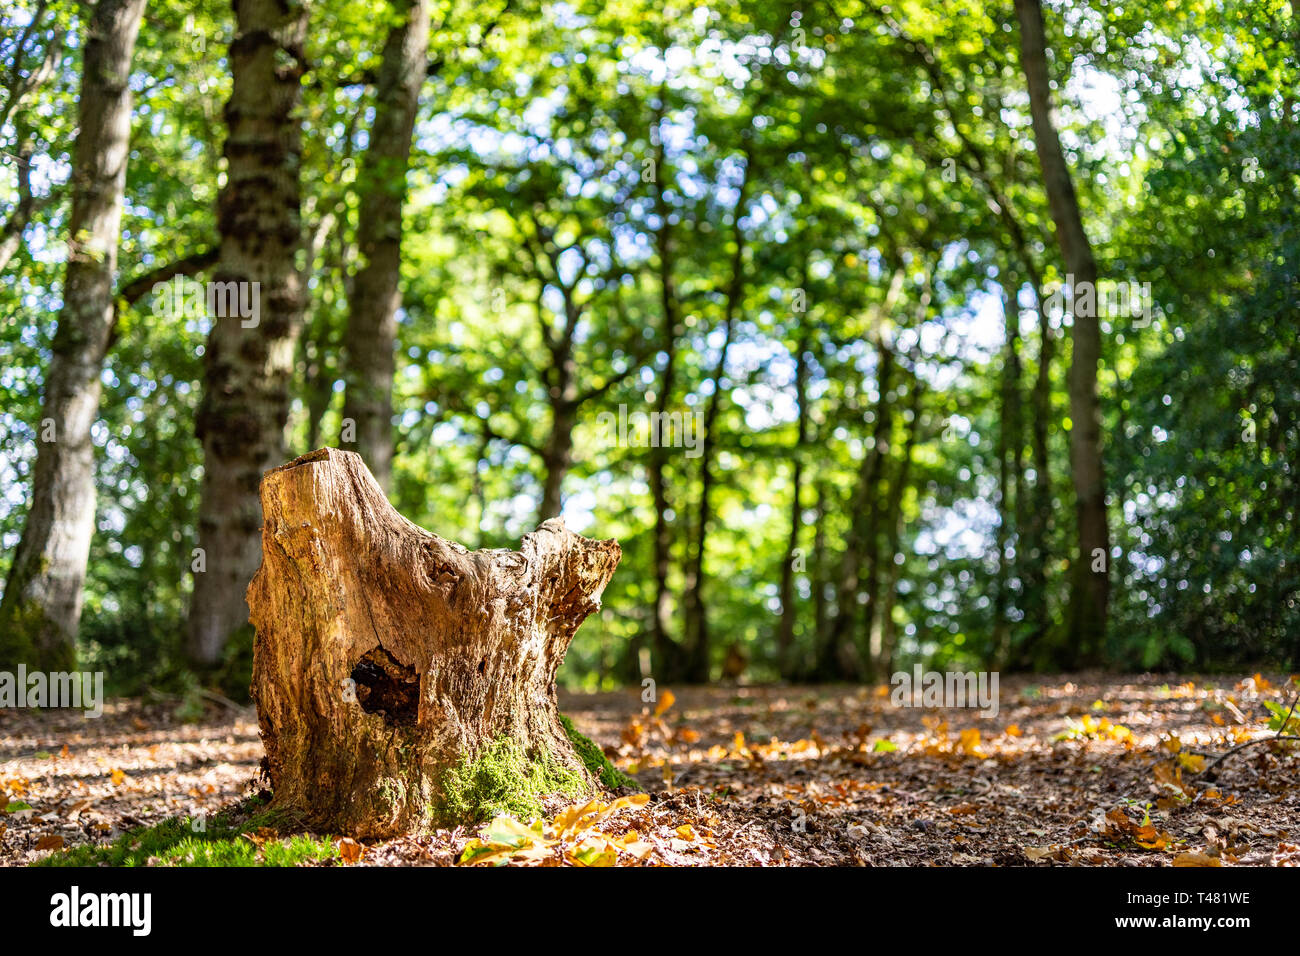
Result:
pixel 667 653
pixel 16 90
pixel 1010 447
pixel 697 614
pixel 1036 551
pixel 880 609
pixel 1089 589
pixel 862 526
pixel 562 396
pixel 41 609
pixel 371 333
pixel 789 613
pixel 387 656
pixel 11 233
pixel 248 365
pixel 893 547
pixel 820 664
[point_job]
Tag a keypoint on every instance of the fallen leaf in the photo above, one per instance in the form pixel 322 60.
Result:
pixel 350 850
pixel 1196 859
pixel 666 700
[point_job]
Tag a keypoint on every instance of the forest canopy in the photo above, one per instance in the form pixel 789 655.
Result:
pixel 797 301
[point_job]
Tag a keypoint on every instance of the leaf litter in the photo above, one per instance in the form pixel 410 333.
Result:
pixel 1076 770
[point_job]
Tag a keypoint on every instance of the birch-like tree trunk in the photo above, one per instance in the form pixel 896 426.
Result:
pixel 41 609
pixel 249 358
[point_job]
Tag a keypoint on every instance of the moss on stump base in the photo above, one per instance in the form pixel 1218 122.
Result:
pixel 403 682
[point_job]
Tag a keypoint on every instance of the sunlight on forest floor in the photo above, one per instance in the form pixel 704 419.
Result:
pixel 1073 770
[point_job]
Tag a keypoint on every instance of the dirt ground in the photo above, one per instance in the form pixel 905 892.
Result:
pixel 1078 770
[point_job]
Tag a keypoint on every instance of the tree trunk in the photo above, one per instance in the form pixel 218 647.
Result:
pixel 1089 589
pixel 557 453
pixel 666 651
pixel 874 513
pixel 821 661
pixel 667 654
pixel 893 548
pixel 371 333
pixel 388 660
pixel 1036 551
pixel 881 609
pixel 11 233
pixel 789 613
pixel 41 610
pixel 697 614
pixel 862 524
pixel 561 380
pixel 19 88
pixel 249 361
pixel 1010 474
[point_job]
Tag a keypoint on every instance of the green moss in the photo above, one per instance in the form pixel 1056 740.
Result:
pixel 594 759
pixel 23 625
pixel 502 779
pixel 174 842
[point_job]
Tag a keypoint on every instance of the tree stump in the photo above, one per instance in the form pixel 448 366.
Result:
pixel 395 671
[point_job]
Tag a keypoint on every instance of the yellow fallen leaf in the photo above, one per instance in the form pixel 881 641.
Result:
pixel 350 850
pixel 666 700
pixel 1196 859
pixel 577 818
pixel 632 800
pixel 1149 838
pixel 1193 762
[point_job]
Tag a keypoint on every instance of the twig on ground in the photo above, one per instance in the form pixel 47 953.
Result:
pixel 223 701
pixel 1295 698
pixel 1250 743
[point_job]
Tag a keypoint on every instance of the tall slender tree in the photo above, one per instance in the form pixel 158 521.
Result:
pixel 371 333
pixel 1090 578
pixel 697 617
pixel 42 602
pixel 666 652
pixel 249 360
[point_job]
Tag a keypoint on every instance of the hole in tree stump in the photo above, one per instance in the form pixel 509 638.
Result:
pixel 388 688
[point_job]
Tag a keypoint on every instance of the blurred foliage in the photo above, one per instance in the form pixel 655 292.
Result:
pixel 873 142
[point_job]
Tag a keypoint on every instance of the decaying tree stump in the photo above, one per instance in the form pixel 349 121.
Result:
pixel 387 657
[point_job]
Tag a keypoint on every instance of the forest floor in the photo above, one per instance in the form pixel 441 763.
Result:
pixel 1075 770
